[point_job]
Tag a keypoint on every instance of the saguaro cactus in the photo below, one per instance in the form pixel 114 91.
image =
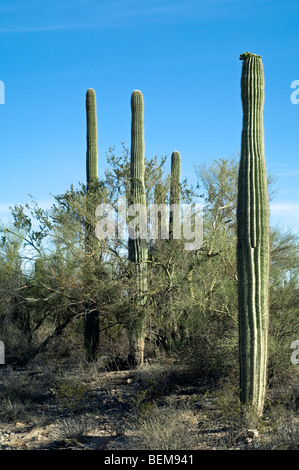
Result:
pixel 138 249
pixel 91 319
pixel 175 193
pixel 253 238
pixel 91 137
pixel 174 231
pixel 160 196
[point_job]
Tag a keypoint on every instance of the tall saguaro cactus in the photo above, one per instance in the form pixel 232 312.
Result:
pixel 91 137
pixel 160 196
pixel 175 192
pixel 138 250
pixel 253 238
pixel 174 227
pixel 91 320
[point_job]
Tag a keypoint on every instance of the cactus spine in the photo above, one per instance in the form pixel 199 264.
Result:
pixel 137 249
pixel 91 319
pixel 253 238
pixel 175 193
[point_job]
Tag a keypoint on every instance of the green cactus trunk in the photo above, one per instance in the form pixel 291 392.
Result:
pixel 174 231
pixel 253 239
pixel 137 248
pixel 91 137
pixel 159 198
pixel 175 191
pixel 91 319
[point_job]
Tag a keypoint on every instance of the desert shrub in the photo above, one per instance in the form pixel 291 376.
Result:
pixel 12 411
pixel 19 394
pixel 163 379
pixel 280 429
pixel 72 394
pixel 75 427
pixel 167 428
pixel 142 404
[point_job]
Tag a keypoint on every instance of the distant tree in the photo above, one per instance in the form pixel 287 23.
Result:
pixel 284 318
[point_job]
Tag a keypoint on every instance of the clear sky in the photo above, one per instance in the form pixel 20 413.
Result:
pixel 184 57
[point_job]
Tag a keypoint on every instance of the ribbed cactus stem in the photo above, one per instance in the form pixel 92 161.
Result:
pixel 91 167
pixel 160 194
pixel 91 137
pixel 137 145
pixel 138 250
pixel 91 319
pixel 175 178
pixel 175 194
pixel 159 198
pixel 253 239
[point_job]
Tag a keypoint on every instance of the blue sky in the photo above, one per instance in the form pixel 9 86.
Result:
pixel 184 57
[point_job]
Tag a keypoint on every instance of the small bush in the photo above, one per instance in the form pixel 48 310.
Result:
pixel 75 427
pixel 142 404
pixel 280 429
pixel 18 395
pixel 73 394
pixel 12 411
pixel 169 428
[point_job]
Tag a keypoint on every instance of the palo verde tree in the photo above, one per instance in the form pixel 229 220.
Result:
pixel 253 239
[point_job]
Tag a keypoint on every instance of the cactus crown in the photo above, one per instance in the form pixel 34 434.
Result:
pixel 245 55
